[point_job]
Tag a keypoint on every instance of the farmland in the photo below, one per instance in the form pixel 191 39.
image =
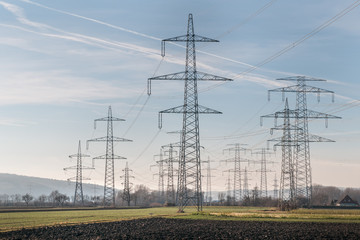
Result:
pixel 225 221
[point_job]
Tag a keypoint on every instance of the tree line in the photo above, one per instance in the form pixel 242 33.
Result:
pixel 142 196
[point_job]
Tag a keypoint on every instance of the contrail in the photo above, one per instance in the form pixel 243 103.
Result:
pixel 91 20
pixel 128 30
pixel 113 45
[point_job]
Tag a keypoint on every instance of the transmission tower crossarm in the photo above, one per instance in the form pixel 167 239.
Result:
pixel 77 155
pixel 185 38
pixel 183 109
pixel 105 139
pixel 107 119
pixel 302 78
pixel 106 156
pixel 315 114
pixel 295 142
pixel 200 76
pixel 315 138
pixel 75 167
pixel 301 87
pixel 281 114
pixel 306 88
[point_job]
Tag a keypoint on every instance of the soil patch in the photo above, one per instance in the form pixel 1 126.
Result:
pixel 162 228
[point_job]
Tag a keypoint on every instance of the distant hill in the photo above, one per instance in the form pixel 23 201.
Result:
pixel 18 184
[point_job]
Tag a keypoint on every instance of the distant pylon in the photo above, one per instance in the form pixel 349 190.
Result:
pixel 189 191
pixel 170 190
pixel 246 184
pixel 287 198
pixel 237 159
pixel 79 197
pixel 208 194
pixel 303 176
pixel 126 183
pixel 161 173
pixel 276 190
pixel 228 186
pixel 109 185
pixel 263 171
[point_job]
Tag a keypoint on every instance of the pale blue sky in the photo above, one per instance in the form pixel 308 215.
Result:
pixel 64 62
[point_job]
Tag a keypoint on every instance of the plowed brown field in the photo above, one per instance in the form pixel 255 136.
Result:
pixel 163 228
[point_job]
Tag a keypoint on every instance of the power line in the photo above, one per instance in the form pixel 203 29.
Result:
pixel 302 39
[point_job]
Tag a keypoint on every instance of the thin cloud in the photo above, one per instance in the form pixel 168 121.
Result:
pixel 92 20
pixel 114 45
pixel 14 122
pixel 249 78
pixel 56 87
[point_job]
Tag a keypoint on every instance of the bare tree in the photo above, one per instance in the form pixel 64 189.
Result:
pixel 61 199
pixel 27 198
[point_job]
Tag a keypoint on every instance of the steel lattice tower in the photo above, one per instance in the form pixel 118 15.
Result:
pixel 161 173
pixel 79 197
pixel 263 172
pixel 276 190
pixel 287 198
pixel 303 178
pixel 126 183
pixel 109 185
pixel 189 190
pixel 228 186
pixel 208 196
pixel 170 190
pixel 246 184
pixel 237 149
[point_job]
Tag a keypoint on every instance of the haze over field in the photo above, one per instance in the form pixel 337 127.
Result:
pixel 64 62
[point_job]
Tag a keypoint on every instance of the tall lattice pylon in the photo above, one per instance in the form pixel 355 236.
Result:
pixel 303 177
pixel 237 159
pixel 287 198
pixel 228 187
pixel 109 185
pixel 246 184
pixel 208 193
pixel 189 191
pixel 127 184
pixel 78 197
pixel 161 180
pixel 263 192
pixel 276 188
pixel 170 152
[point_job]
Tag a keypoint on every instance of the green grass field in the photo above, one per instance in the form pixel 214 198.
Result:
pixel 17 220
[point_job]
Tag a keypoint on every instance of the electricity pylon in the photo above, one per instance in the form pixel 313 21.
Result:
pixel 276 190
pixel 190 168
pixel 208 194
pixel 303 179
pixel 228 186
pixel 126 183
pixel 169 161
pixel 109 185
pixel 78 197
pixel 246 184
pixel 263 171
pixel 161 173
pixel 237 159
pixel 287 198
